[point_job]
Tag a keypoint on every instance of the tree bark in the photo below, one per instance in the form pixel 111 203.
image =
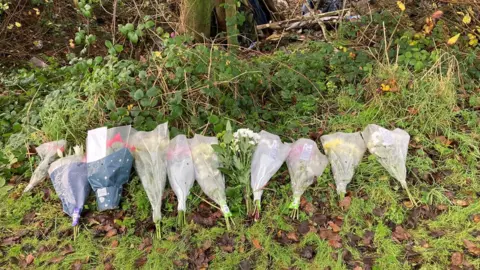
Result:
pixel 232 29
pixel 195 18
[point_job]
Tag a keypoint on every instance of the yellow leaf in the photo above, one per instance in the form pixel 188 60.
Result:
pixel 17 24
pixel 385 87
pixel 401 5
pixel 467 19
pixel 130 107
pixel 10 27
pixel 453 39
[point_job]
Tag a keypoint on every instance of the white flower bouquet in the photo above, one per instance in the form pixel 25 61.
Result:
pixel 235 153
pixel 150 163
pixel 48 153
pixel 207 172
pixel 305 162
pixel 344 151
pixel 268 157
pixel 181 173
pixel 390 148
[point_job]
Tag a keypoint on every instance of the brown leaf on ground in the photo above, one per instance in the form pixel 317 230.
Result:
pixel 408 204
pixel 345 203
pixel 56 259
pixel 68 249
pixel 476 218
pixel 303 227
pixel 140 261
pixel 334 226
pixel 457 259
pixel 471 247
pixel 461 203
pixel 256 243
pixel 206 216
pixel 400 234
pixel 111 233
pixel 437 14
pixel 114 243
pixel 335 241
pixel 307 252
pixel 307 206
pixel 146 243
pixel 10 241
pixel 77 265
pixel 320 219
pixel 442 207
pixel 226 243
pixel 292 236
pixel 28 218
pixel 108 266
pixel 367 238
pixel 29 259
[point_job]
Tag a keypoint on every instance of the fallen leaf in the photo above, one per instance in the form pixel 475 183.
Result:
pixel 457 259
pixel 77 265
pixel 461 203
pixel 412 111
pixel 335 241
pixel 345 203
pixel 476 218
pixel 442 207
pixel 56 259
pixel 140 262
pixel 256 243
pixel 429 25
pixel 28 218
pixel 400 234
pixel 114 244
pixel 334 226
pixel 408 204
pixel 401 5
pixel 472 248
pixel 292 236
pixel 437 14
pixel 29 259
pixel 367 238
pixel 303 227
pixel 453 39
pixel 111 233
pixel 108 266
pixel 68 249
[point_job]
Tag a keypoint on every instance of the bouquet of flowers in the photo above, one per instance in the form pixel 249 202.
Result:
pixel 344 151
pixel 267 160
pixel 235 154
pixel 390 148
pixel 181 173
pixel 304 162
pixel 69 178
pixel 109 162
pixel 208 174
pixel 149 150
pixel 48 152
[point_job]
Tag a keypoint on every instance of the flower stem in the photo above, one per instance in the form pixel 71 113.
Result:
pixel 410 197
pixel 181 219
pixel 158 229
pixel 256 211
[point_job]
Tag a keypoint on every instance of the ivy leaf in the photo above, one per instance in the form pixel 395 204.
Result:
pixel 138 95
pixel 110 104
pixel 118 48
pixel 149 24
pixel 108 44
pixel 453 39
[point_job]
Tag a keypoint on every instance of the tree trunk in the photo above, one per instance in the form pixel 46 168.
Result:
pixel 195 18
pixel 231 18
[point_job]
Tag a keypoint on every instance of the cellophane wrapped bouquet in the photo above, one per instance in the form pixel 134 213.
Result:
pixel 181 173
pixel 69 178
pixel 109 163
pixel 344 151
pixel 268 157
pixel 48 153
pixel 235 153
pixel 305 162
pixel 207 172
pixel 149 150
pixel 391 148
